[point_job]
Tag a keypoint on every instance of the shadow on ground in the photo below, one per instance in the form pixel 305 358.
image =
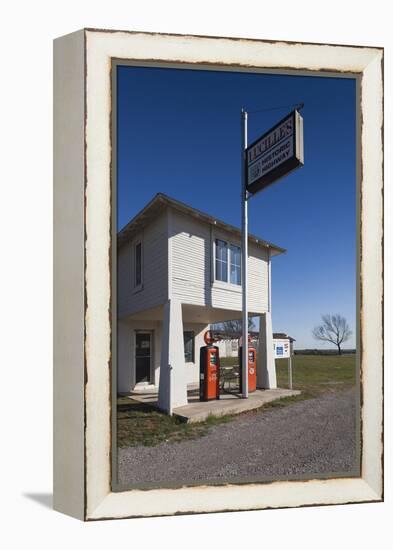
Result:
pixel 45 499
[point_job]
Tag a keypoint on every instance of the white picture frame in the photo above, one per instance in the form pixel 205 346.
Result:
pixel 83 288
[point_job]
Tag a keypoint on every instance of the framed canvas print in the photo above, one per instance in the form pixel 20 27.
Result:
pixel 218 341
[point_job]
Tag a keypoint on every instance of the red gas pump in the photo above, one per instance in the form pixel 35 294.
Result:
pixel 209 369
pixel 252 367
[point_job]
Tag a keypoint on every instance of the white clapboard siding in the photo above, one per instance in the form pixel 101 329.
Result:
pixel 190 266
pixel 258 279
pixel 191 269
pixel 154 289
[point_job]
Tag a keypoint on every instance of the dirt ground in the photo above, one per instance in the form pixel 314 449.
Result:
pixel 309 438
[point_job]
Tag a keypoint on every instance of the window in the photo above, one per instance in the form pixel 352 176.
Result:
pixel 228 269
pixel 189 346
pixel 138 265
pixel 221 260
pixel 235 265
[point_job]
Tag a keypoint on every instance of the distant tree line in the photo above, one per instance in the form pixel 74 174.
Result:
pixel 322 351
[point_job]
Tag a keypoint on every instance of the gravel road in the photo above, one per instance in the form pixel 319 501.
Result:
pixel 310 437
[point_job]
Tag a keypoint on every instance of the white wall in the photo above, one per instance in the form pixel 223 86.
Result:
pixel 172 390
pixel 154 269
pixel 126 351
pixel 192 268
pixel 192 369
pixel 266 366
pixel 226 349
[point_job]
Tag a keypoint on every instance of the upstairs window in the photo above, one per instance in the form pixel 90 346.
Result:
pixel 221 260
pixel 138 265
pixel 228 262
pixel 235 265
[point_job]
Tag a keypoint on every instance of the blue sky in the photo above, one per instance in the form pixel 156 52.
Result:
pixel 179 133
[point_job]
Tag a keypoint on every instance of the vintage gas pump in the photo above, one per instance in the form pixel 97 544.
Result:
pixel 209 369
pixel 252 367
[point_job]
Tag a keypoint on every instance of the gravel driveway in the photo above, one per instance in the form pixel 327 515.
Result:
pixel 310 437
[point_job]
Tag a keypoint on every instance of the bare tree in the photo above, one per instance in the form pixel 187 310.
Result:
pixel 334 329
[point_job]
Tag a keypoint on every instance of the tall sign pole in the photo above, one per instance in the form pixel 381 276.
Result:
pixel 271 157
pixel 244 198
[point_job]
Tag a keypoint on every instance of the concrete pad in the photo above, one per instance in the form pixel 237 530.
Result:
pixel 229 403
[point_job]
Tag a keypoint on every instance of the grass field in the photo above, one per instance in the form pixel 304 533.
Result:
pixel 313 374
pixel 140 424
pixel 316 374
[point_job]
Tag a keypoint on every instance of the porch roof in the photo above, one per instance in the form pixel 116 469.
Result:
pixel 206 314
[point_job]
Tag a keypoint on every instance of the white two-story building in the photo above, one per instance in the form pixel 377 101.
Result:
pixel 179 270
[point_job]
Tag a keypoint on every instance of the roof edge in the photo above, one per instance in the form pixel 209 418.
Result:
pixel 183 207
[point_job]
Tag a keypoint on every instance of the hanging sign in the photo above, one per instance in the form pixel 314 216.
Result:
pixel 275 154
